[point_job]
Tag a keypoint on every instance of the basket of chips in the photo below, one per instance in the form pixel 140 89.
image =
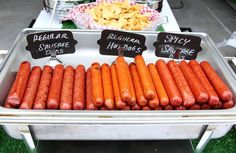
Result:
pixel 114 14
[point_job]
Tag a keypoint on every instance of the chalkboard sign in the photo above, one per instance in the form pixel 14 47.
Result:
pixel 177 46
pixel 112 42
pixel 41 44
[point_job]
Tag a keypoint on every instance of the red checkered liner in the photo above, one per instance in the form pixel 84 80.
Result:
pixel 82 18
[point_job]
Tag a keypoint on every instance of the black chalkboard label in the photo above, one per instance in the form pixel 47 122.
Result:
pixel 112 42
pixel 177 46
pixel 41 44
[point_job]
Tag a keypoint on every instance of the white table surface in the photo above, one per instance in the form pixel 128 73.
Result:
pixel 44 18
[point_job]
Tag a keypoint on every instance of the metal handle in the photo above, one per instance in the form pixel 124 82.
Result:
pixel 27 138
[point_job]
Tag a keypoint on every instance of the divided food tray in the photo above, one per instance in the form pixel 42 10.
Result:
pixel 111 125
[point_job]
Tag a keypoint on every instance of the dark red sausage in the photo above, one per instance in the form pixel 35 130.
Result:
pixel 54 95
pixel 228 104
pixel 168 107
pixel 205 106
pixel 213 97
pixel 135 107
pixel 222 90
pixel 79 88
pixel 31 90
pixel 195 107
pixel 43 89
pixel 17 91
pixel 169 83
pixel 67 88
pixel 180 108
pixel 89 97
pixel 195 85
pixel 187 96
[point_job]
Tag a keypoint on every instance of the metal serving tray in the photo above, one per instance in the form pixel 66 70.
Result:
pixel 111 125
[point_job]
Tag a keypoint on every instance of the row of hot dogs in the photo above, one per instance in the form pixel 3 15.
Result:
pixel 121 86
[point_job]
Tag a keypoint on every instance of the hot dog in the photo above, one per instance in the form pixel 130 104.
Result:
pixel 79 88
pixel 135 107
pixel 168 107
pixel 17 91
pixel 132 101
pixel 31 89
pixel 162 95
pixel 159 108
pixel 103 108
pixel 180 108
pixel 141 100
pixel 54 95
pixel 124 82
pixel 195 85
pixel 205 106
pixel 213 97
pixel 67 88
pixel 153 103
pixel 222 90
pixel 127 108
pixel 169 83
pixel 218 106
pixel 195 107
pixel 146 108
pixel 119 103
pixel 97 88
pixel 43 88
pixel 89 97
pixel 145 77
pixel 107 86
pixel 228 104
pixel 186 94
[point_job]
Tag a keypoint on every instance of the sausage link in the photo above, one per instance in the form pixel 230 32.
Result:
pixel 119 103
pixel 169 83
pixel 127 108
pixel 162 95
pixel 153 103
pixel 228 104
pixel 67 88
pixel 169 107
pixel 145 77
pixel 107 86
pixel 103 108
pixel 54 95
pixel 213 97
pixel 17 91
pixel 186 93
pixel 79 88
pixel 159 108
pixel 89 97
pixel 146 108
pixel 132 102
pixel 43 89
pixel 31 89
pixel 135 107
pixel 222 90
pixel 97 88
pixel 218 106
pixel 122 75
pixel 195 107
pixel 180 108
pixel 195 85
pixel 141 100
pixel 205 106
